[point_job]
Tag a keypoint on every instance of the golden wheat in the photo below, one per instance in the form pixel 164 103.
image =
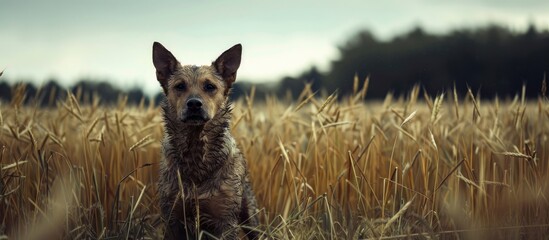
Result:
pixel 321 168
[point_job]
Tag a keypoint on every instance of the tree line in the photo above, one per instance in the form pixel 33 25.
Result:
pixel 492 60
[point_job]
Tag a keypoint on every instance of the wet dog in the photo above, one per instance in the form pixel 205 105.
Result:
pixel 204 185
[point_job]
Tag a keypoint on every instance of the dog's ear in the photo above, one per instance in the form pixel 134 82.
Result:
pixel 165 64
pixel 227 64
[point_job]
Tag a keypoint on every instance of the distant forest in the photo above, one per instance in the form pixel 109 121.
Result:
pixel 492 60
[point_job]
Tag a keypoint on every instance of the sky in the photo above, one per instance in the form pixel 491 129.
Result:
pixel 112 40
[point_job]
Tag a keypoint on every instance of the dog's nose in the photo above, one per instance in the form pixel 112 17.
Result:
pixel 194 104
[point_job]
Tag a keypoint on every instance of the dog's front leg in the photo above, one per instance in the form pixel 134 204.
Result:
pixel 180 230
pixel 176 227
pixel 223 228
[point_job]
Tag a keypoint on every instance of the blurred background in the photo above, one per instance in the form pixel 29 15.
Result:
pixel 104 47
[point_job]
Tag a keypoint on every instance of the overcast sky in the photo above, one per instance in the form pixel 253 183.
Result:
pixel 68 40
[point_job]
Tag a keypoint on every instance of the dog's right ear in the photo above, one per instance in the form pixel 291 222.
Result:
pixel 165 64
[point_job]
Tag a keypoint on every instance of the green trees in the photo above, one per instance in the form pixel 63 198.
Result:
pixel 492 59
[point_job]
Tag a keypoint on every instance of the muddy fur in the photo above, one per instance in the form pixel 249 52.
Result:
pixel 204 184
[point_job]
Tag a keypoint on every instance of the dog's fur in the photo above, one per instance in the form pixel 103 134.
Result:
pixel 204 184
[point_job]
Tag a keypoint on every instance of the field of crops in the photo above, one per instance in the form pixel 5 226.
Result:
pixel 421 166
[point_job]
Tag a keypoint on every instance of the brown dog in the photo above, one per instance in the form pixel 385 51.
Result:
pixel 203 184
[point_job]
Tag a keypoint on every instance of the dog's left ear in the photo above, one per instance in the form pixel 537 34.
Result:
pixel 227 64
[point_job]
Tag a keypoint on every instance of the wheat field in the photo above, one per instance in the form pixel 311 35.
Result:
pixel 419 166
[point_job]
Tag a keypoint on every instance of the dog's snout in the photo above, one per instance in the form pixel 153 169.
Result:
pixel 194 104
pixel 194 112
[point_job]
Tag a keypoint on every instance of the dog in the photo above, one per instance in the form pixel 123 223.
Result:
pixel 204 187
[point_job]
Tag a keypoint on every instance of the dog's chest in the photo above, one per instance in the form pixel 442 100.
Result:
pixel 214 197
pixel 209 173
pixel 202 179
pixel 197 171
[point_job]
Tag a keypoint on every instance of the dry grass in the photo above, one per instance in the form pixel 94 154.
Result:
pixel 435 167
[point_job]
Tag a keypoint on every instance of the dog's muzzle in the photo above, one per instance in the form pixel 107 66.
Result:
pixel 194 113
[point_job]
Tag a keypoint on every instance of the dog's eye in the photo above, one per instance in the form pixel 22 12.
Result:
pixel 208 87
pixel 180 87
